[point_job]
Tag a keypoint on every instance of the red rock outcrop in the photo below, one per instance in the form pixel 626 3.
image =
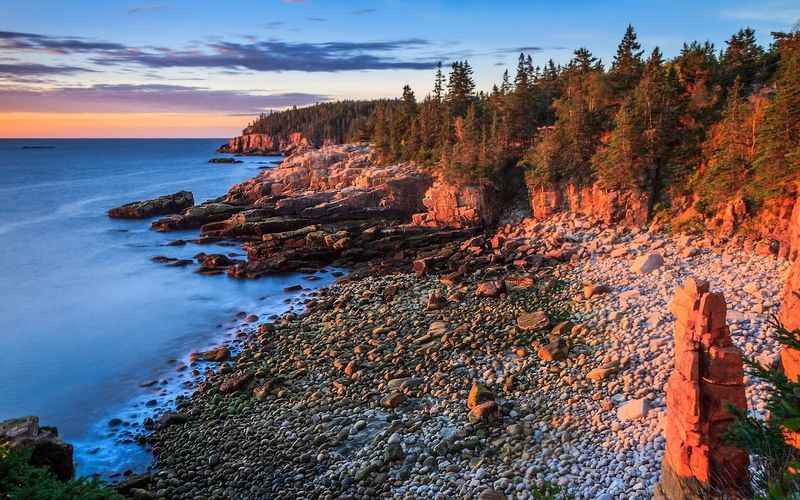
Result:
pixel 789 317
pixel 708 375
pixel 612 207
pixel 774 228
pixel 262 144
pixel 458 206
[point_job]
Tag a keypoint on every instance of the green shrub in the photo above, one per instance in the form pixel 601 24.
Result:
pixel 21 481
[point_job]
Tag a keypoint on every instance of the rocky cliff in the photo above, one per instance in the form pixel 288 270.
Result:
pixel 612 207
pixel 264 144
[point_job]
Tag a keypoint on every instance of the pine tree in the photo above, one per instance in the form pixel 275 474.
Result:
pixel 460 88
pixel 380 135
pixel 620 165
pixel 729 150
pixel 743 58
pixel 505 86
pixel 778 153
pixel 626 69
pixel 438 84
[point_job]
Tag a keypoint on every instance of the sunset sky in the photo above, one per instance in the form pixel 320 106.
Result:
pixel 204 68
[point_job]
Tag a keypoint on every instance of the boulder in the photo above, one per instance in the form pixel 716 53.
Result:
pixel 235 383
pixel 633 409
pixel 647 263
pixel 478 394
pixel 47 449
pixel 492 288
pixel 487 412
pixel 216 355
pixel 592 290
pixel 534 321
pixel 555 350
pixel 163 205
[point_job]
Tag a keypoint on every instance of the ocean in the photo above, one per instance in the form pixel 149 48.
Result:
pixel 85 316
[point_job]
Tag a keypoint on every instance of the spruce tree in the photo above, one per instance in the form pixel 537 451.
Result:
pixel 438 84
pixel 626 69
pixel 778 154
pixel 743 58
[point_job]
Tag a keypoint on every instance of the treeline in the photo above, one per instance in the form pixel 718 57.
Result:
pixel 708 121
pixel 711 122
pixel 336 122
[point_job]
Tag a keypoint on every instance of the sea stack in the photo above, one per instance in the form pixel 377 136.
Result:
pixel 708 376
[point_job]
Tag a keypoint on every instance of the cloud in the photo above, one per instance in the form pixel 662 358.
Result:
pixel 148 98
pixel 274 25
pixel 13 40
pixel 277 55
pixel 316 19
pixel 145 8
pixel 783 12
pixel 249 53
pixel 361 12
pixel 14 70
pixel 526 49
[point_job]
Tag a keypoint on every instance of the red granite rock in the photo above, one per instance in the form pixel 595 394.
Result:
pixel 708 376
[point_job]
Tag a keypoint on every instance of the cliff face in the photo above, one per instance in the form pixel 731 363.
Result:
pixel 458 206
pixel 612 207
pixel 776 223
pixel 256 144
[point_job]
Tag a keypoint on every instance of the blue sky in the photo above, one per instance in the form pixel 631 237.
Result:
pixel 238 57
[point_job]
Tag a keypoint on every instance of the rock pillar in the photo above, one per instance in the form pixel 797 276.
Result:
pixel 708 375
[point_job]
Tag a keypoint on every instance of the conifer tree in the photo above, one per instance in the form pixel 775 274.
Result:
pixel 438 84
pixel 778 155
pixel 743 58
pixel 776 462
pixel 626 69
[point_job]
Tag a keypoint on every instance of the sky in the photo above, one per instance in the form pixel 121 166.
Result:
pixel 206 68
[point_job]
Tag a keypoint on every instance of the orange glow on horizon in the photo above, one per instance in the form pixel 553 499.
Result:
pixel 119 125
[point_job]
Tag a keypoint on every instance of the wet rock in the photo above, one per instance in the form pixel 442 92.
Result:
pixel 169 204
pixel 216 355
pixel 171 418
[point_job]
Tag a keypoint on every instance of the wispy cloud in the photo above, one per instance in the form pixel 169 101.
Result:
pixel 159 98
pixel 274 25
pixel 277 55
pixel 252 54
pixel 785 12
pixel 361 12
pixel 13 40
pixel 146 8
pixel 316 19
pixel 14 70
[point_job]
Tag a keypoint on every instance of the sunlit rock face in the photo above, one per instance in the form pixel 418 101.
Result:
pixel 708 375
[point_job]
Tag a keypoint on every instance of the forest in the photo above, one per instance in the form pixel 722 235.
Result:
pixel 716 123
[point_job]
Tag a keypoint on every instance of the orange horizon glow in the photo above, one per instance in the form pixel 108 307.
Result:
pixel 119 125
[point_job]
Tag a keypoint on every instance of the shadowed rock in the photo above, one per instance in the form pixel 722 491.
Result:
pixel 163 205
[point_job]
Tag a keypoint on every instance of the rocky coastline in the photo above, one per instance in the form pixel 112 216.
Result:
pixel 475 349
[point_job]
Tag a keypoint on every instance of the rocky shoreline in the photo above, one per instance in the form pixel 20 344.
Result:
pixel 366 394
pixel 472 351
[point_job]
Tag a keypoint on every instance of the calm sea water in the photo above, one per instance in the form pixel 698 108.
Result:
pixel 85 316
